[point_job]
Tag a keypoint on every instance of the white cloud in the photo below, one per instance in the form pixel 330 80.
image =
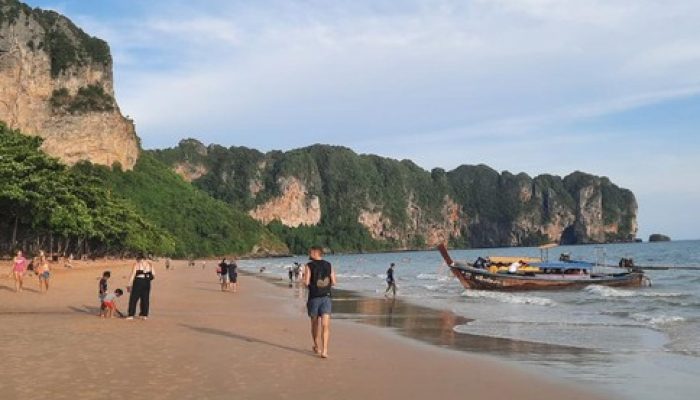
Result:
pixel 410 79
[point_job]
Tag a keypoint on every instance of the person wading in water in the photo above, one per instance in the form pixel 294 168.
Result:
pixel 319 277
pixel 390 281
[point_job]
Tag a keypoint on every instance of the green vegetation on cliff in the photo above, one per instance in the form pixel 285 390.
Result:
pixel 200 225
pixel 98 210
pixel 44 203
pixel 65 43
pixel 495 209
pixel 87 99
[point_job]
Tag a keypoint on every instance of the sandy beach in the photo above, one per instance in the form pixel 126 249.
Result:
pixel 201 343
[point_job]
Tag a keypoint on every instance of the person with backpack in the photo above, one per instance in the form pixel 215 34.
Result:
pixel 319 278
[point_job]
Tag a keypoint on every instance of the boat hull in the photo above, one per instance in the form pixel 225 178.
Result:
pixel 473 278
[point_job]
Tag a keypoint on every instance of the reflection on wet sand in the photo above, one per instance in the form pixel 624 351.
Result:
pixel 437 327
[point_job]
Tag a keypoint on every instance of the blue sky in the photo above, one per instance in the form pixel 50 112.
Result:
pixel 610 87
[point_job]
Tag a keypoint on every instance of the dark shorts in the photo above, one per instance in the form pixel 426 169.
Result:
pixel 318 306
pixel 233 278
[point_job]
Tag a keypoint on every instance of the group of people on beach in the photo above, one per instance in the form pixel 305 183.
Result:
pixel 317 276
pixel 227 271
pixel 38 266
pixel 139 288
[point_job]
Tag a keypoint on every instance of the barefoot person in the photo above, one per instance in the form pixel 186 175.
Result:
pixel 319 277
pixel 140 287
pixel 109 304
pixel 19 268
pixel 103 286
pixel 233 275
pixel 43 271
pixel 390 281
pixel 223 275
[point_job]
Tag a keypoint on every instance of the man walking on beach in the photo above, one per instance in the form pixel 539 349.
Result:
pixel 319 277
pixel 390 281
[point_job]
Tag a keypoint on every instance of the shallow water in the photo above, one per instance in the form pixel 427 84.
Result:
pixel 637 343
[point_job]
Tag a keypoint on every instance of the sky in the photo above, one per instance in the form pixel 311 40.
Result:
pixel 610 87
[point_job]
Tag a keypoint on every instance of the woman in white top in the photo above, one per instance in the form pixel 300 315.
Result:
pixel 140 287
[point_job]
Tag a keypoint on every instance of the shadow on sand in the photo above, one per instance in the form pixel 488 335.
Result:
pixel 85 310
pixel 7 288
pixel 232 335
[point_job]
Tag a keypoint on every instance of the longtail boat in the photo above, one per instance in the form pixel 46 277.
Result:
pixel 538 274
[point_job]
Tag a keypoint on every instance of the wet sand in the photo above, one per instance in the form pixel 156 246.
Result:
pixel 204 344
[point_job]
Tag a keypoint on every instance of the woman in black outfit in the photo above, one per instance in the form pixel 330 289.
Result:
pixel 140 287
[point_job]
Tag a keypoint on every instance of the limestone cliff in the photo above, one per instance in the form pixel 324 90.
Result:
pixel 364 202
pixel 56 82
pixel 294 207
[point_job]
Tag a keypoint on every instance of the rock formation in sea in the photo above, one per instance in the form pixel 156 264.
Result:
pixel 658 237
pixel 56 82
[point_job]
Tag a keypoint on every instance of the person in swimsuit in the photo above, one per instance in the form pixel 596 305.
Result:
pixel 319 278
pixel 43 271
pixel 140 287
pixel 19 268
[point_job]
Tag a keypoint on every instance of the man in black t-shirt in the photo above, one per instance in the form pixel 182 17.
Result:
pixel 319 278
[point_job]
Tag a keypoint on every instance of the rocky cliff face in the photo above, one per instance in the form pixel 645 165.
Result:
pixel 56 82
pixel 334 192
pixel 293 207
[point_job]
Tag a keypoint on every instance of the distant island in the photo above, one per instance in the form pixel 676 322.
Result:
pixel 657 237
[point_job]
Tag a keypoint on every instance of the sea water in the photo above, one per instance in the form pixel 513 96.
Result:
pixel 641 343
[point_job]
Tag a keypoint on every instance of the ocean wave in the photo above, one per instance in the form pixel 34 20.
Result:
pixel 606 291
pixel 355 276
pixel 508 298
pixel 657 320
pixel 433 277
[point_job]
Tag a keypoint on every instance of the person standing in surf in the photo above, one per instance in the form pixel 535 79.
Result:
pixel 319 278
pixel 140 287
pixel 390 281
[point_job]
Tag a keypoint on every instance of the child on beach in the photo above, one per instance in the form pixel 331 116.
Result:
pixel 319 277
pixel 109 304
pixel 102 291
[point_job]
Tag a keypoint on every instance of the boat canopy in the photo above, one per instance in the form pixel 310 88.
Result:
pixel 512 259
pixel 564 265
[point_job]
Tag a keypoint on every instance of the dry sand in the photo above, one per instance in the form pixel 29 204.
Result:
pixel 201 343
